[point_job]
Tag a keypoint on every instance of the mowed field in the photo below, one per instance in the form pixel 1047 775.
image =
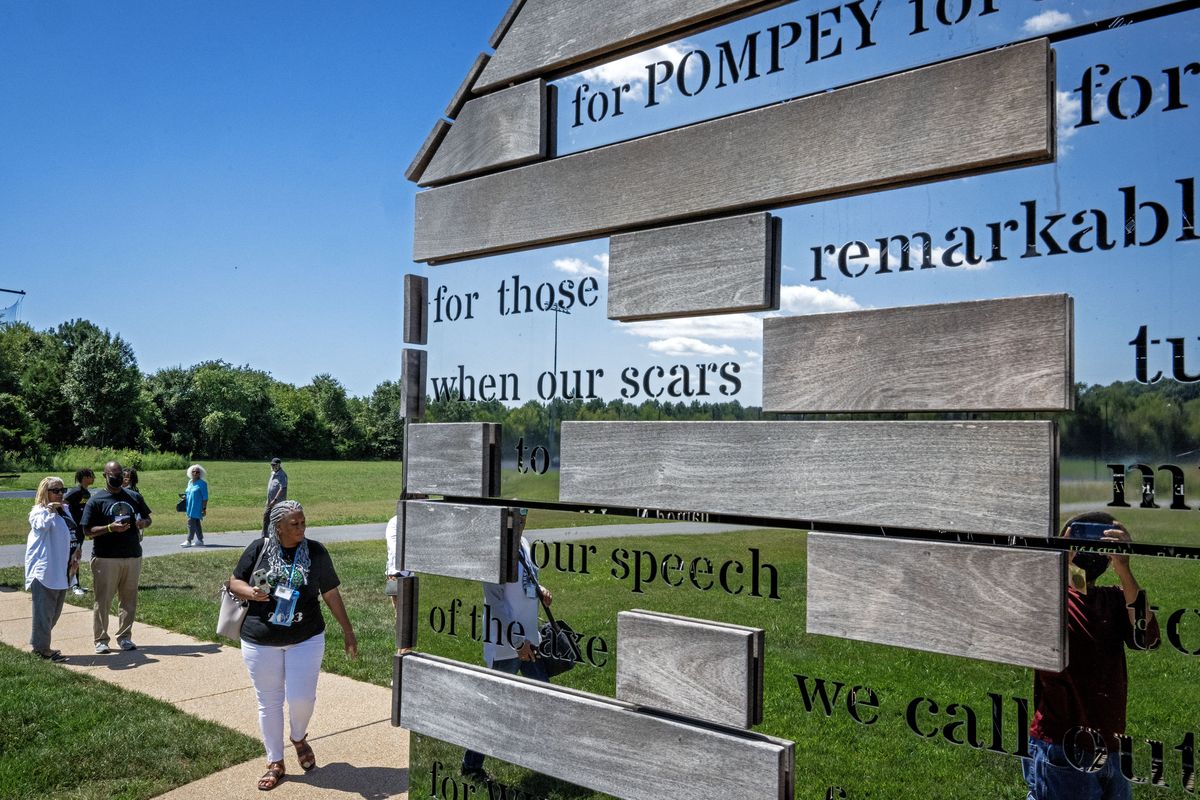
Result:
pixel 886 759
pixel 332 492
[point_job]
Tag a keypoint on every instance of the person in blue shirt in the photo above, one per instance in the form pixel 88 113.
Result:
pixel 196 500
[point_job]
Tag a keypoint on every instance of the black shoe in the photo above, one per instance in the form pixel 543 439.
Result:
pixel 477 774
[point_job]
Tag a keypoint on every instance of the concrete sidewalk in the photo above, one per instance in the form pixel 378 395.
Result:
pixel 359 754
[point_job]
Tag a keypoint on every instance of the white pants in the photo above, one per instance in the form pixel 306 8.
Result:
pixel 278 673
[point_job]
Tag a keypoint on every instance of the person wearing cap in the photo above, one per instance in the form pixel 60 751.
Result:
pixel 276 491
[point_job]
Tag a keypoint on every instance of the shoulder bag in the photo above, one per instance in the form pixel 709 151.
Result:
pixel 558 651
pixel 233 609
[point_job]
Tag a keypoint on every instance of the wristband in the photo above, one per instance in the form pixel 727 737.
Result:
pixel 108 528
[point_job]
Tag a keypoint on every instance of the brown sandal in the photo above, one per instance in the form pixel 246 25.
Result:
pixel 271 777
pixel 304 754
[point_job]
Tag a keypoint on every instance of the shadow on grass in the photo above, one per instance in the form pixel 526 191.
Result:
pixel 369 783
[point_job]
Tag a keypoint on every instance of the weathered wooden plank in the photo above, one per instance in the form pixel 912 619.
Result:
pixel 698 668
pixel 475 543
pixel 991 603
pixel 714 267
pixel 505 23
pixel 458 459
pixel 464 91
pixel 502 129
pixel 982 112
pixel 416 305
pixel 589 740
pixel 987 477
pixel 414 366
pixel 551 34
pixel 407 611
pixel 992 355
pixel 428 148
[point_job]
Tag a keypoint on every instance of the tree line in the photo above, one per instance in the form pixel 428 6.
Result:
pixel 77 384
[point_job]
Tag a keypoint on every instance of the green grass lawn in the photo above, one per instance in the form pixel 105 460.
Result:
pixel 66 735
pixel 884 760
pixel 333 493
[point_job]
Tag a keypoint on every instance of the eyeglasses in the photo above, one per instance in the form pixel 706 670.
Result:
pixel 56 489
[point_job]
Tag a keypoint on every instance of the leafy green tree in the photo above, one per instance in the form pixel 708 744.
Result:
pixel 103 388
pixel 18 428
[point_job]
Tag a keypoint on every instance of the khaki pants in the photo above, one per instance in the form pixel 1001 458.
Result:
pixel 114 576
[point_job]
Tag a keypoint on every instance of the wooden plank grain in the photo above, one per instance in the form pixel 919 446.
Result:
pixel 414 367
pixel 466 88
pixel 505 23
pixel 698 668
pixel 459 459
pixel 972 114
pixel 718 266
pixel 986 477
pixel 502 129
pixel 551 34
pixel 991 603
pixel 1012 354
pixel 475 543
pixel 589 740
pixel 428 148
pixel 416 309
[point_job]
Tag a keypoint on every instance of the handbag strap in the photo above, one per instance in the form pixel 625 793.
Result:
pixel 262 552
pixel 538 588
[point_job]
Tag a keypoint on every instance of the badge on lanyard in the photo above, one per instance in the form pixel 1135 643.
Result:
pixel 285 602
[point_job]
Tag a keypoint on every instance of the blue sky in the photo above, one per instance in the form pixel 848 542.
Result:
pixel 223 180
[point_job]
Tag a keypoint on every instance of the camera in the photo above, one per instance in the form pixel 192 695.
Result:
pixel 1089 530
pixel 259 581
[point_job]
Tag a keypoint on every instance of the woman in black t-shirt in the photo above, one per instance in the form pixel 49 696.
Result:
pixel 284 576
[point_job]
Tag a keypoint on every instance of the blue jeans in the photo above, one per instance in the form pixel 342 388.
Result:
pixel 1052 777
pixel 534 670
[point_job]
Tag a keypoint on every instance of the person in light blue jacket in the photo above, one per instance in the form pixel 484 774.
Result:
pixel 196 501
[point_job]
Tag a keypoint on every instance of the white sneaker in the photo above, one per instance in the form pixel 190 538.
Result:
pixel 127 644
pixel 185 543
pixel 78 590
pixel 102 648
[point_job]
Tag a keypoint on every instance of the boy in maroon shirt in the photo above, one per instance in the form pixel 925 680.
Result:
pixel 1081 710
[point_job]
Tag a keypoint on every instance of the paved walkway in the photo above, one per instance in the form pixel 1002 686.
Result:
pixel 359 753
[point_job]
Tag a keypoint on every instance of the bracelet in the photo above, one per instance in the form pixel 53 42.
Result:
pixel 108 528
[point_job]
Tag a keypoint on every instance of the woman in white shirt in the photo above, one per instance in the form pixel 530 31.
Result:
pixel 47 551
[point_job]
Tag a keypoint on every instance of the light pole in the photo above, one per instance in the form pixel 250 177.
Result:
pixel 558 309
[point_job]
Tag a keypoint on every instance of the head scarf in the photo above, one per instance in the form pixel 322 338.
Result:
pixel 281 568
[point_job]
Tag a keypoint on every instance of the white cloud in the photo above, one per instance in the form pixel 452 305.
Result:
pixel 803 299
pixel 598 266
pixel 683 346
pixel 722 328
pixel 632 70
pixel 1048 20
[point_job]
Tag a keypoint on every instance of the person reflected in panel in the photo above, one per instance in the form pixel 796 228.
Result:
pixel 1080 712
pixel 506 603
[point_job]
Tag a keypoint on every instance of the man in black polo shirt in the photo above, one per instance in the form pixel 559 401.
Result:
pixel 110 521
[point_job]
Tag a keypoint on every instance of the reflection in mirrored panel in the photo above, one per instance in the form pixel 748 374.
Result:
pixel 910 668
